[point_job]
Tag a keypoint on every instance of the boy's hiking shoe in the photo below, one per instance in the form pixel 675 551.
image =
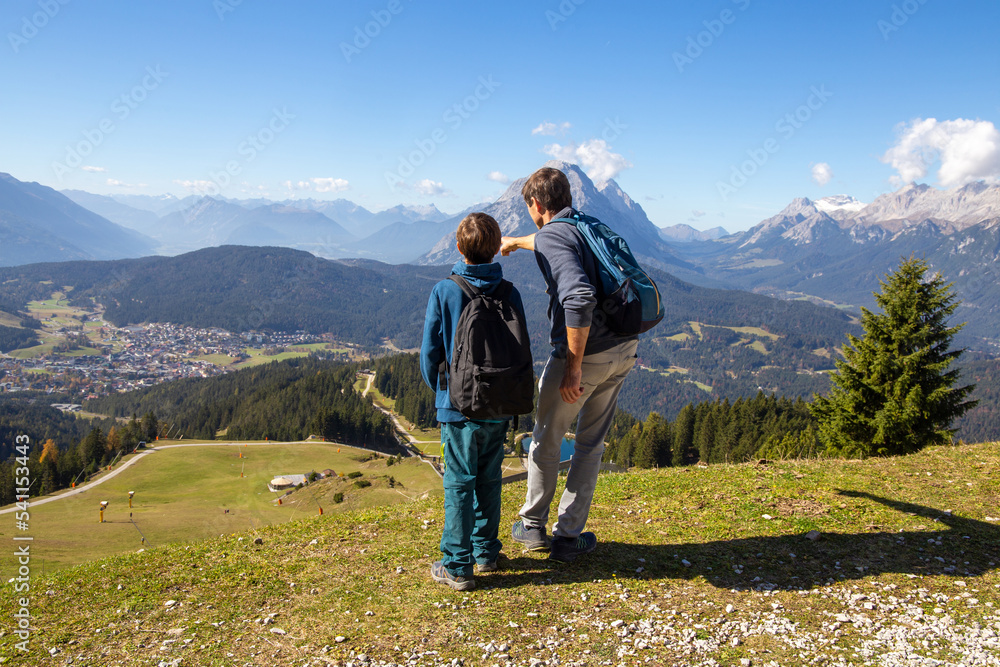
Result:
pixel 566 549
pixel 443 576
pixel 487 567
pixel 533 539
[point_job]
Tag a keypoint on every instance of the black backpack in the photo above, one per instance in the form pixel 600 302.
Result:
pixel 491 375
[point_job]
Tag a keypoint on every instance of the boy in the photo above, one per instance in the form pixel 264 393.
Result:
pixel 473 449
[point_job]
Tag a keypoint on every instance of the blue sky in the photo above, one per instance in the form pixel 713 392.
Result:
pixel 708 113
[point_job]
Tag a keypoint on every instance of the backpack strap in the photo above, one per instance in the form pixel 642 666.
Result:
pixel 471 293
pixel 502 290
pixel 467 288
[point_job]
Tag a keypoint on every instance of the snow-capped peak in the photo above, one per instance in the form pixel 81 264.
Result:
pixel 839 203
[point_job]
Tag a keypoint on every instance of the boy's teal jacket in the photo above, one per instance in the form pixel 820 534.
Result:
pixel 444 307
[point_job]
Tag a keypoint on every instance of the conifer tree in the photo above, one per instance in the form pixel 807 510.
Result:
pixel 683 448
pixel 894 392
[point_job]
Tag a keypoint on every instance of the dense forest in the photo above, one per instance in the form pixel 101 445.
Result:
pixel 31 415
pixel 12 338
pixel 981 423
pixel 288 400
pixel 63 448
pixel 720 432
pixel 398 377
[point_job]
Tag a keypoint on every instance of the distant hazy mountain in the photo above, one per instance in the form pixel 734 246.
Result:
pixel 39 224
pixel 140 219
pixel 159 204
pixel 838 248
pixel 212 222
pixel 682 233
pixel 352 217
pixel 357 220
pixel 400 242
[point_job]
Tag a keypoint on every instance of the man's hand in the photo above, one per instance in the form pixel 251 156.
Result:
pixel 509 244
pixel 570 389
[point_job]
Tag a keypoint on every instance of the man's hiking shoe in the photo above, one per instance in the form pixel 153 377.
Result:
pixel 443 576
pixel 533 539
pixel 566 549
pixel 487 567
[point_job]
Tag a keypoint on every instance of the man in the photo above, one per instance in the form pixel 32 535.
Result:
pixel 583 374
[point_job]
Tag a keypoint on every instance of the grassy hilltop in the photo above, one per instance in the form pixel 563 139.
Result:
pixel 696 566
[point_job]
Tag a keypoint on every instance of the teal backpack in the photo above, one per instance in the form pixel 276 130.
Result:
pixel 627 297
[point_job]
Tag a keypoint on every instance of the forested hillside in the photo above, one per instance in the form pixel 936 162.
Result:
pixel 33 416
pixel 981 423
pixel 287 400
pixel 720 432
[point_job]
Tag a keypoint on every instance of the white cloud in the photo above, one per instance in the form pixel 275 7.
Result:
pixel 821 173
pixel 594 155
pixel 551 129
pixel 430 188
pixel 330 184
pixel 88 167
pixel 199 187
pixel 696 213
pixel 967 150
pixel 319 185
pixel 498 176
pixel 260 190
pixel 114 182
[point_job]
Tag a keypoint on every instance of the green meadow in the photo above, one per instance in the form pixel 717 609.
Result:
pixel 191 493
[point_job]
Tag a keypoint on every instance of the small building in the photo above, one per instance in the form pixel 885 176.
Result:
pixel 285 482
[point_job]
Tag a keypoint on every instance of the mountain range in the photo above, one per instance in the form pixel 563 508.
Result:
pixel 831 250
pixel 836 249
pixel 330 229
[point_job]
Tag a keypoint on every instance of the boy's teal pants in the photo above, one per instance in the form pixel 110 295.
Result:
pixel 473 456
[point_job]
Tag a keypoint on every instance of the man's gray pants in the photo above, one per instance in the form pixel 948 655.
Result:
pixel 603 374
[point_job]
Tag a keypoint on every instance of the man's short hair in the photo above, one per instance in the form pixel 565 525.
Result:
pixel 550 187
pixel 478 238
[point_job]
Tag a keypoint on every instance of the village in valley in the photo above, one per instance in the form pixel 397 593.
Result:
pixel 82 355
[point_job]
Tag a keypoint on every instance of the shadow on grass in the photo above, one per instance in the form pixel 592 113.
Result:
pixel 960 547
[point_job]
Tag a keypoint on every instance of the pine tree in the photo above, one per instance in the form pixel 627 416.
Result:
pixel 894 393
pixel 682 451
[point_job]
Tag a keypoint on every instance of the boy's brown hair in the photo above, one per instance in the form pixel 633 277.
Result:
pixel 550 187
pixel 478 238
